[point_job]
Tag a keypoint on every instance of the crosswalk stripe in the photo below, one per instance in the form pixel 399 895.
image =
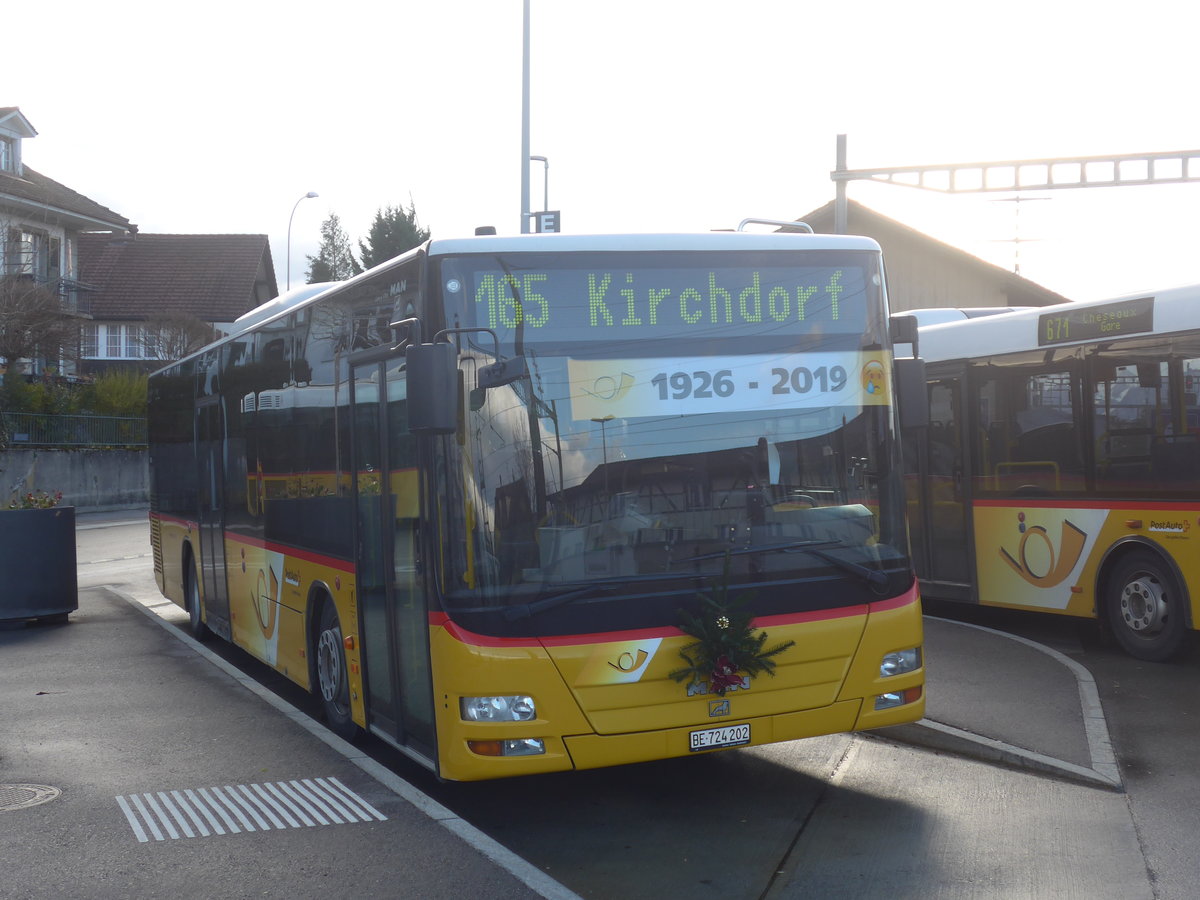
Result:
pixel 199 812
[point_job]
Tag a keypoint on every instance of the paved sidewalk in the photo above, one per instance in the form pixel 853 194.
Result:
pixel 162 774
pixel 1006 699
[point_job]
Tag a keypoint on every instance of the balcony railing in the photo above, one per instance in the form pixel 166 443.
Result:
pixel 19 430
pixel 74 295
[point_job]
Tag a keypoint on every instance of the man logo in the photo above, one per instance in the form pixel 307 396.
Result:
pixel 718 708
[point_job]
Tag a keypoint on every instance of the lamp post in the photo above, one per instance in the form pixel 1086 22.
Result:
pixel 545 181
pixel 525 118
pixel 307 196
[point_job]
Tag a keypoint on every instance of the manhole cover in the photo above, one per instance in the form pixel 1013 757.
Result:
pixel 19 796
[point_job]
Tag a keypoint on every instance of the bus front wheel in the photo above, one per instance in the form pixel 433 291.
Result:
pixel 191 591
pixel 1145 608
pixel 332 679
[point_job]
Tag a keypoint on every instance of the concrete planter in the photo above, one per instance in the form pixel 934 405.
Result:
pixel 37 564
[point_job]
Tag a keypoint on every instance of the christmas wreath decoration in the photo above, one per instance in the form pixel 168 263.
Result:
pixel 726 645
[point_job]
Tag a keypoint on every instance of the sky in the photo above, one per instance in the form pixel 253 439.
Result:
pixel 655 115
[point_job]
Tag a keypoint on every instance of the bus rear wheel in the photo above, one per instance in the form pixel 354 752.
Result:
pixel 333 681
pixel 1145 608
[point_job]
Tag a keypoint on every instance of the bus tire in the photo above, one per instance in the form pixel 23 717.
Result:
pixel 1146 607
pixel 191 594
pixel 333 681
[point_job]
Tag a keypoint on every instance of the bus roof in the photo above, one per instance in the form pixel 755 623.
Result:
pixel 1174 309
pixel 709 240
pixel 556 243
pixel 274 307
pixel 937 315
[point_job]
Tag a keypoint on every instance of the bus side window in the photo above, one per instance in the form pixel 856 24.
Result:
pixel 1191 393
pixel 1033 443
pixel 1131 409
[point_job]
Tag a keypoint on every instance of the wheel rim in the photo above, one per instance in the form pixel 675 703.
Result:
pixel 193 601
pixel 329 664
pixel 1144 605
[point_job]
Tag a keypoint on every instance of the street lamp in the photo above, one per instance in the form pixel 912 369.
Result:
pixel 546 180
pixel 310 195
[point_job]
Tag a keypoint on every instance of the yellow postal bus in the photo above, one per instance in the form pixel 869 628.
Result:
pixel 521 505
pixel 1061 467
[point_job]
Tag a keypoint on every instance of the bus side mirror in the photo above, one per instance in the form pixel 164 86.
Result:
pixel 912 396
pixel 432 388
pixel 903 330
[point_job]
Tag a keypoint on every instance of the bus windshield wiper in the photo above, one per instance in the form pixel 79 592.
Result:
pixel 816 548
pixel 789 547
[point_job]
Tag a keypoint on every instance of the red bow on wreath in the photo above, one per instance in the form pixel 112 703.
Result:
pixel 724 676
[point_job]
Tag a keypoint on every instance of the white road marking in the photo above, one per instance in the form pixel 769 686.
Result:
pixel 165 815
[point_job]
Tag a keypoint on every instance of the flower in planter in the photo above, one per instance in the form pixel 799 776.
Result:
pixel 36 500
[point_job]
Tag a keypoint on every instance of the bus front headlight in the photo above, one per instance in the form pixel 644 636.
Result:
pixel 518 708
pixel 900 661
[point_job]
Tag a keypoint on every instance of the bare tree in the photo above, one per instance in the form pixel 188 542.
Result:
pixel 171 337
pixel 34 323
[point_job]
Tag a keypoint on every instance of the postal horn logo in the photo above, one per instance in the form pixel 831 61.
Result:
pixel 1051 568
pixel 610 389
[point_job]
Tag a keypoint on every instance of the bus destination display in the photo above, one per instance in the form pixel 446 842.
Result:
pixel 1092 322
pixel 590 304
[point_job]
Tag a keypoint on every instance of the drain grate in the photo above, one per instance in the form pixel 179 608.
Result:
pixel 19 796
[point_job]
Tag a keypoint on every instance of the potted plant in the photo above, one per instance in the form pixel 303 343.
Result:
pixel 37 557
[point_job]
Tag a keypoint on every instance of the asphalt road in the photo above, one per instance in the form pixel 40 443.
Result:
pixel 848 816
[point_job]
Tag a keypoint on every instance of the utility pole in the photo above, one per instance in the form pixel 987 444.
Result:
pixel 525 120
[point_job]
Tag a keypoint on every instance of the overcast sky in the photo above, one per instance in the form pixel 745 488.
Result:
pixel 216 117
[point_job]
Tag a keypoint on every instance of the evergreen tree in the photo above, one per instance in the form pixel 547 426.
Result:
pixel 334 260
pixel 394 231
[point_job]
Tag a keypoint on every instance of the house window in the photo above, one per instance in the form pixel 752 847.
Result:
pixel 8 154
pixel 28 253
pixel 91 340
pixel 133 342
pixel 113 341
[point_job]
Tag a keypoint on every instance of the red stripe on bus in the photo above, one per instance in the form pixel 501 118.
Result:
pixel 186 523
pixel 456 631
pixel 332 562
pixel 1040 503
pixel 320 559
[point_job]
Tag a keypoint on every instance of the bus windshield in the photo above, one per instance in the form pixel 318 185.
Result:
pixel 682 415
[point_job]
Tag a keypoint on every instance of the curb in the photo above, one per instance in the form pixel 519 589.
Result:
pixel 532 877
pixel 936 736
pixel 1104 772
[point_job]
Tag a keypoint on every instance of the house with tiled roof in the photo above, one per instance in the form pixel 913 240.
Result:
pixel 141 284
pixel 925 273
pixel 40 223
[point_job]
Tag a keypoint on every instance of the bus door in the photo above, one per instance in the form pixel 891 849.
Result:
pixel 945 509
pixel 394 622
pixel 210 432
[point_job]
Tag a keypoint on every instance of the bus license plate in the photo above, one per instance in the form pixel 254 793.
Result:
pixel 714 738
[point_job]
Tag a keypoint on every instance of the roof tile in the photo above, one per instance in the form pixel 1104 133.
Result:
pixel 210 276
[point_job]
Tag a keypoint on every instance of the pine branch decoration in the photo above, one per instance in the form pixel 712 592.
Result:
pixel 725 644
